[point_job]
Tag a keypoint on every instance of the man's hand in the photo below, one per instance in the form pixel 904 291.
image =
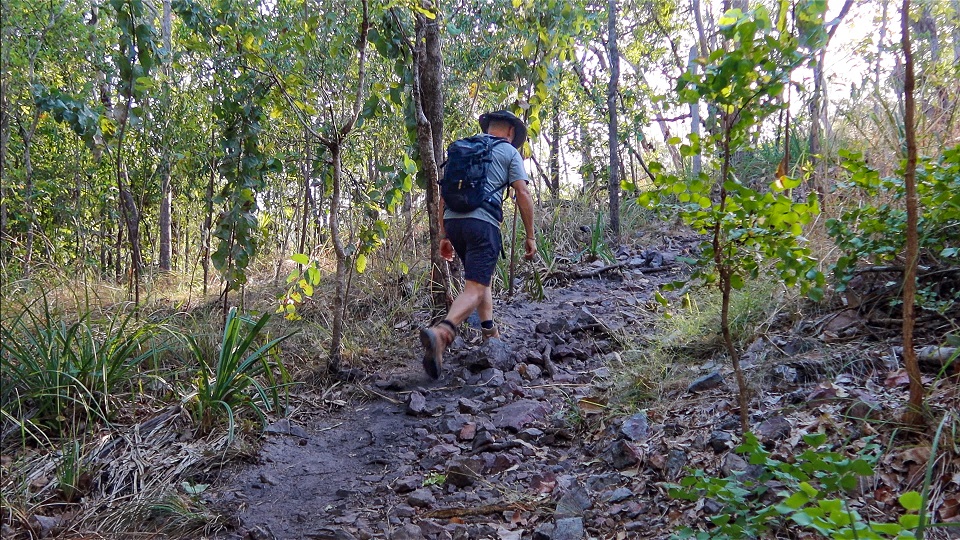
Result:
pixel 530 248
pixel 446 249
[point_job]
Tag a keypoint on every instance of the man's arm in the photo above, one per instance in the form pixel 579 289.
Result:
pixel 525 205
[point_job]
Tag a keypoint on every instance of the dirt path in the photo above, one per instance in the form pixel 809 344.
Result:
pixel 491 450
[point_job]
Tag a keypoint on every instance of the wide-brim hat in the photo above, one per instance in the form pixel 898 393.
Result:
pixel 519 128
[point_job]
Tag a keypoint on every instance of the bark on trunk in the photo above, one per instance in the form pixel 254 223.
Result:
pixel 555 150
pixel 4 142
pixel 426 94
pixel 914 413
pixel 166 195
pixel 339 299
pixel 697 162
pixel 612 91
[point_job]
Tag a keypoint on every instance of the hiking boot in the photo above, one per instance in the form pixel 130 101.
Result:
pixel 490 333
pixel 435 340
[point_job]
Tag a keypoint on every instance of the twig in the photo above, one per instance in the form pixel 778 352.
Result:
pixel 447 513
pixel 329 427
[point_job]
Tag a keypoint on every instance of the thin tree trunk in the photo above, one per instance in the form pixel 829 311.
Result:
pixel 426 142
pixel 914 413
pixel 955 32
pixel 555 150
pixel 336 147
pixel 26 134
pixel 166 195
pixel 307 170
pixel 4 142
pixel 692 67
pixel 612 91
pixel 208 217
pixel 339 300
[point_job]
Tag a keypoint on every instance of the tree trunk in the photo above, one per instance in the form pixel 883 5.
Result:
pixel 914 413
pixel 26 134
pixel 692 67
pixel 307 175
pixel 208 217
pixel 339 299
pixel 4 142
pixel 555 150
pixel 955 32
pixel 423 96
pixel 166 195
pixel 612 92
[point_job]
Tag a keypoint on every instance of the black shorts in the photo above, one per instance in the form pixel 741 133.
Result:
pixel 478 244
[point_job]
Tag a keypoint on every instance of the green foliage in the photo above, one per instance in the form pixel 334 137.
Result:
pixel 811 491
pixel 56 372
pixel 231 381
pixel 744 82
pixel 877 232
pixel 597 248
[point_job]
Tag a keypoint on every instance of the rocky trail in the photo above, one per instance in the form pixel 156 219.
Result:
pixel 516 440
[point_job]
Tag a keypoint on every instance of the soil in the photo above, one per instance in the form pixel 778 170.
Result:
pixel 517 440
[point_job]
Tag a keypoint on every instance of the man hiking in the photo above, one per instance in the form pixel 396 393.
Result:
pixel 475 234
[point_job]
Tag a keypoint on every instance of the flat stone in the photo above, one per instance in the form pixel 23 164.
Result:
pixel 464 472
pixel 618 495
pixel 407 484
pixel 518 414
pixel 467 432
pixel 421 498
pixel 469 406
pixel 621 455
pixel 707 382
pixel 285 427
pixel 676 460
pixel 269 479
pixel 636 428
pixel 417 404
pixel 407 532
pixel 568 529
pixel 720 441
pixel 775 428
pixel 574 502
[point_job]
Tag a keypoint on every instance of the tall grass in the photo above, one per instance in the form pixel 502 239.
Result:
pixel 230 382
pixel 54 369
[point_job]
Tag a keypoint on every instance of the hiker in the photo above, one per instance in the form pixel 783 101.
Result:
pixel 475 234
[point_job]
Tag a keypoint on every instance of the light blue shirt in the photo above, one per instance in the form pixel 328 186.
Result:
pixel 505 169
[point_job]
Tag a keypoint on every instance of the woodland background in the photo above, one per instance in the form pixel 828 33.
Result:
pixel 174 171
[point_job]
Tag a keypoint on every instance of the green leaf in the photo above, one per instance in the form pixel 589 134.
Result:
pixel 911 500
pixel 300 258
pixel 361 263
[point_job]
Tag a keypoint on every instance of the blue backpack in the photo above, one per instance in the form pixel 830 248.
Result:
pixel 465 175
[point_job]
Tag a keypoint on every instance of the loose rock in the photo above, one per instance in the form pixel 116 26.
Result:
pixel 706 382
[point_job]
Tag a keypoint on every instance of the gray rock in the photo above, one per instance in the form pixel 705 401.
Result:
pixel 332 534
pixel 469 406
pixel 502 462
pixel 403 511
pixel 417 404
pixel 773 429
pixel 48 524
pixel 407 532
pixel 285 427
pixel 600 482
pixel 498 354
pixel 464 472
pixel 482 440
pixel 421 498
pixel 492 377
pixel 676 459
pixel 261 532
pixel 618 495
pixel 532 371
pixel 706 382
pixel 720 441
pixel 570 528
pixel 621 454
pixel 636 428
pixel 269 479
pixel 574 502
pixel 407 484
pixel 518 414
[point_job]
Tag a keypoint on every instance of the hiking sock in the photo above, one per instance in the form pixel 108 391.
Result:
pixel 450 325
